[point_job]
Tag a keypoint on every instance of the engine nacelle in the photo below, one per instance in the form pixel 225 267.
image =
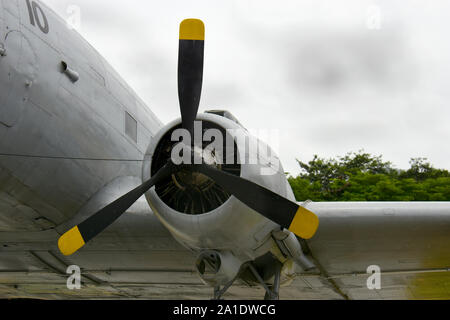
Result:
pixel 200 214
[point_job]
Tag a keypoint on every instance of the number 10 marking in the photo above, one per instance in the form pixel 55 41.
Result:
pixel 37 16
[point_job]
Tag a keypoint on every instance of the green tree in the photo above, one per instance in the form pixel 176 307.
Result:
pixel 422 170
pixel 364 177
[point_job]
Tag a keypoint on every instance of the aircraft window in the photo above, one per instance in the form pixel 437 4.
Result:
pixel 131 127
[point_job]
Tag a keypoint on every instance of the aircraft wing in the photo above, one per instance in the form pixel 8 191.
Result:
pixel 409 242
pixel 138 258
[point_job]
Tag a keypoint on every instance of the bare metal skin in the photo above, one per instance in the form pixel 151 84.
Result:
pixel 65 154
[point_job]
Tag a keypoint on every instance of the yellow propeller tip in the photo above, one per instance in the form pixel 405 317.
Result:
pixel 71 242
pixel 192 29
pixel 304 224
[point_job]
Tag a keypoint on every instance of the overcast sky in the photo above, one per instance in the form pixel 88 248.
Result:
pixel 331 76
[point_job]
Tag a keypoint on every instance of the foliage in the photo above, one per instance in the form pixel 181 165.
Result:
pixel 364 177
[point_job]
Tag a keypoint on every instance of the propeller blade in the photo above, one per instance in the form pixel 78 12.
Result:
pixel 190 70
pixel 77 237
pixel 280 210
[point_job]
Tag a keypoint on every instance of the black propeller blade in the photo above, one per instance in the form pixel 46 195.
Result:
pixel 77 237
pixel 190 70
pixel 280 210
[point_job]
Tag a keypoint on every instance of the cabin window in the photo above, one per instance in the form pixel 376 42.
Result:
pixel 130 127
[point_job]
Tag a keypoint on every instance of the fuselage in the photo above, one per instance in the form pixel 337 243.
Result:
pixel 61 141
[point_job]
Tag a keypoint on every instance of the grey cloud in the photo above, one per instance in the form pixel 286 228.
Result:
pixel 329 62
pixel 311 69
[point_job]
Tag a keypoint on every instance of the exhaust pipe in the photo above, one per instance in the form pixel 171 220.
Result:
pixel 217 268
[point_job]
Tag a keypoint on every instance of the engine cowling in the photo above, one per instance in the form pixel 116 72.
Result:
pixel 224 223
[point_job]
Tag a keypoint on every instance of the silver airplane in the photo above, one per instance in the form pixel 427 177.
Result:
pixel 87 179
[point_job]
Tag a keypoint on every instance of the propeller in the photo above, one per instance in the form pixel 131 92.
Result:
pixel 190 70
pixel 280 210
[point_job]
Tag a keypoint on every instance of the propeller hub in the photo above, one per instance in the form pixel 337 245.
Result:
pixel 187 178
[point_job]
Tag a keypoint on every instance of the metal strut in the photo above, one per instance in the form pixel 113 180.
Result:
pixel 272 292
pixel 218 293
